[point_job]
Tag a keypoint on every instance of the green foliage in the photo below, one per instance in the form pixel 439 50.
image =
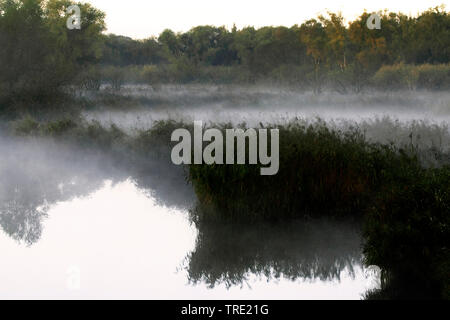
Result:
pixel 405 206
pixel 39 54
pixel 121 51
pixel 396 77
pixel 320 53
pixel 89 135
pixel 26 126
pixel 433 76
pixel 407 231
pixel 89 79
pixel 401 76
pixel 114 76
pixel 322 171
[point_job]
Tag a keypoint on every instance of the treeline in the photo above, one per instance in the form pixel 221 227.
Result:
pixel 39 55
pixel 318 52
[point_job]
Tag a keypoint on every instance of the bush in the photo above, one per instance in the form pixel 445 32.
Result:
pixel 407 232
pixel 395 77
pixel 90 79
pixel 322 172
pixel 405 206
pixel 401 76
pixel 114 76
pixel 433 77
pixel 291 75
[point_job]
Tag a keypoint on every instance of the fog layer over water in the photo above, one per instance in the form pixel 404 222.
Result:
pixel 419 119
pixel 252 105
pixel 122 244
pixel 67 214
pixel 126 232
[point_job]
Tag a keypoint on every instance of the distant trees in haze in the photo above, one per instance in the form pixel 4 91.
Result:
pixel 39 54
pixel 325 47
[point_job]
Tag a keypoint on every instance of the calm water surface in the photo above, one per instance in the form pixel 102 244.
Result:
pixel 118 242
pixel 73 226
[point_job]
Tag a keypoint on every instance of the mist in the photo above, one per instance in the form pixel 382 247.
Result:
pixel 92 205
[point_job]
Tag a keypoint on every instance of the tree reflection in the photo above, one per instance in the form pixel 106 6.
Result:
pixel 25 198
pixel 227 253
pixel 33 177
pixel 35 174
pixel 21 213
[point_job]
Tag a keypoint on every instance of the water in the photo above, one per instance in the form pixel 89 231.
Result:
pixel 75 226
pixel 122 244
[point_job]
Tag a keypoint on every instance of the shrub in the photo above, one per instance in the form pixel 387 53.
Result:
pixel 322 171
pixel 89 79
pixel 401 76
pixel 394 77
pixel 433 77
pixel 407 231
pixel 114 76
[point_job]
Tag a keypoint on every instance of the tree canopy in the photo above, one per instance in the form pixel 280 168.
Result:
pixel 38 53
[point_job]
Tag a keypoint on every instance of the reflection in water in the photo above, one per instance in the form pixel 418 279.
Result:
pixel 36 173
pixel 229 253
pixel 126 245
pixel 32 177
pixel 132 238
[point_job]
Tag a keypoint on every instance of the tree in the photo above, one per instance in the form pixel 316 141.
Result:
pixel 39 54
pixel 337 40
pixel 432 36
pixel 315 38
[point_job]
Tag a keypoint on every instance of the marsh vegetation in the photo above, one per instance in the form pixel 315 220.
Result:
pixel 364 173
pixel 341 173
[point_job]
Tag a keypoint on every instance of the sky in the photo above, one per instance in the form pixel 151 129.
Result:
pixel 145 18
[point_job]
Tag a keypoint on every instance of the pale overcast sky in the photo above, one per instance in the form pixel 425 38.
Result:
pixel 144 18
